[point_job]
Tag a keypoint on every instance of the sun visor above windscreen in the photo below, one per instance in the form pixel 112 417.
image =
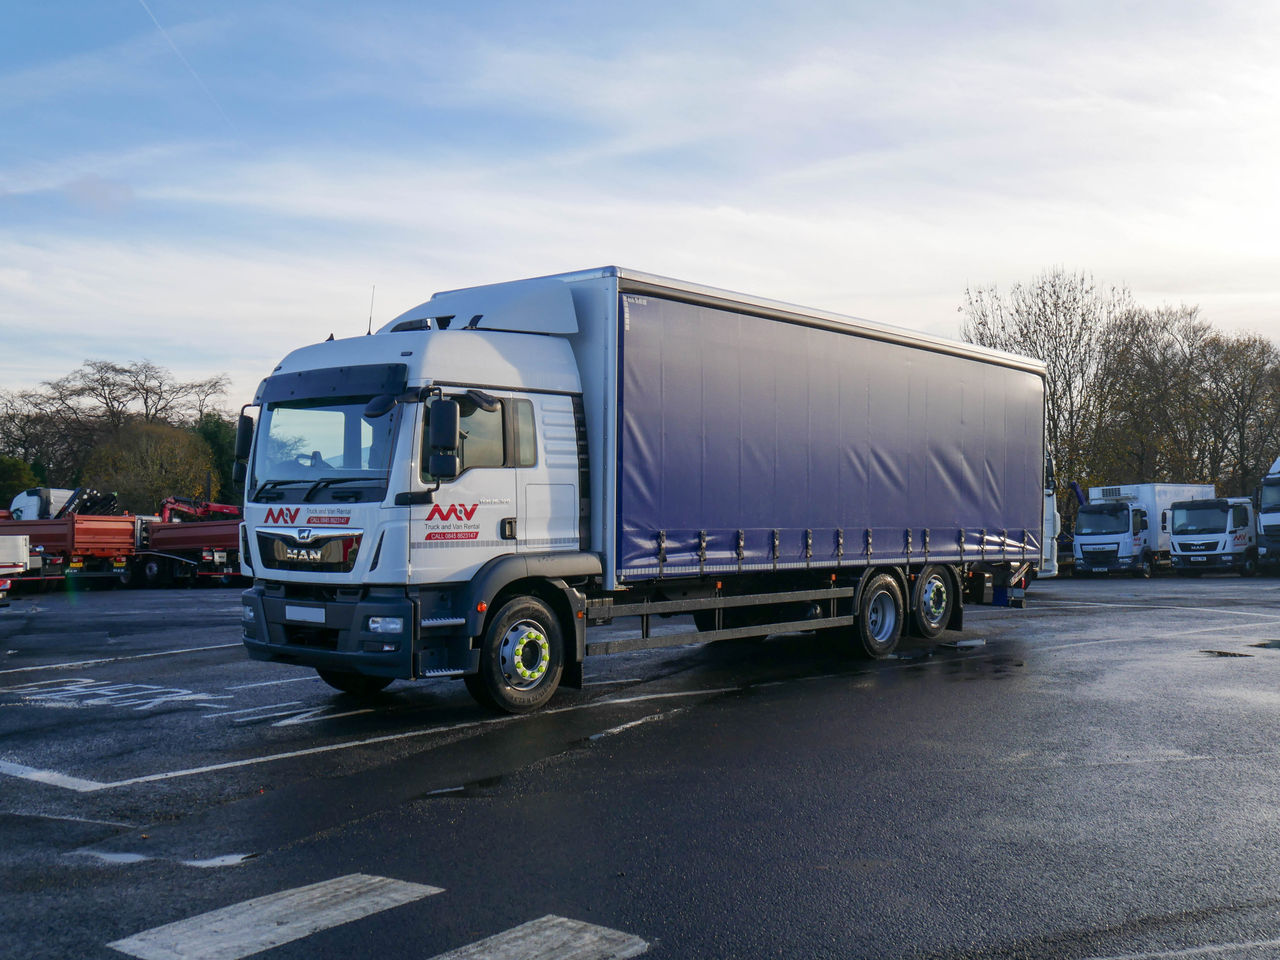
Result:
pixel 524 306
pixel 368 380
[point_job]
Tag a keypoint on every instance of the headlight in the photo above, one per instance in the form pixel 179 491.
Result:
pixel 386 624
pixel 247 614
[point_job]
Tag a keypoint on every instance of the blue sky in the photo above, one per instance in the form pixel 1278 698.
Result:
pixel 210 185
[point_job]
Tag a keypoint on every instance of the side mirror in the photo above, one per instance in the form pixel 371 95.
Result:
pixel 445 429
pixel 444 466
pixel 244 436
pixel 379 406
pixel 239 472
pixel 1164 520
pixel 1144 524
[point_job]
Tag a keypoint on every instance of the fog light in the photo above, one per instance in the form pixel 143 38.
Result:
pixel 247 614
pixel 386 625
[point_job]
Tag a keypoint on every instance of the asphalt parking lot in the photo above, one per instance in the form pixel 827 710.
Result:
pixel 1093 776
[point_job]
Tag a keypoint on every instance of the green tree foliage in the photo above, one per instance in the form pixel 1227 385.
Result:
pixel 145 462
pixel 15 476
pixel 219 432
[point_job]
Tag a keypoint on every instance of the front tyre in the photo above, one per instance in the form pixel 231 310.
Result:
pixel 880 616
pixel 521 658
pixel 356 684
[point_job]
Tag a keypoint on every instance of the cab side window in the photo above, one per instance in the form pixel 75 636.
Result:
pixel 504 437
pixel 1239 516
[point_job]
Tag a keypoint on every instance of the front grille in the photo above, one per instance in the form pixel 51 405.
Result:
pixel 1199 546
pixel 1099 555
pixel 322 553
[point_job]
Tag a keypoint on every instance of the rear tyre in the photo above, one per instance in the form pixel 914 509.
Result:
pixel 521 658
pixel 155 572
pixel 932 601
pixel 880 616
pixel 356 684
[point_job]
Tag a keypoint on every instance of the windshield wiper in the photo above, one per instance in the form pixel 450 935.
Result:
pixel 270 485
pixel 330 481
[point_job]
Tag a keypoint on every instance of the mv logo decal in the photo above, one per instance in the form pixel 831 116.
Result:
pixel 453 522
pixel 285 515
pixel 454 512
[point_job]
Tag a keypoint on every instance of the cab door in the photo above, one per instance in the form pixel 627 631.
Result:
pixel 468 521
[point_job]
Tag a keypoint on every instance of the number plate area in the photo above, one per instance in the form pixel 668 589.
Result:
pixel 300 614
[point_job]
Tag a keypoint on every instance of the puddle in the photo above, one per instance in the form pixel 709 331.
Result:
pixel 1226 653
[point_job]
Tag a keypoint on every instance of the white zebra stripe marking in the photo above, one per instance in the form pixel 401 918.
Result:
pixel 247 928
pixel 552 938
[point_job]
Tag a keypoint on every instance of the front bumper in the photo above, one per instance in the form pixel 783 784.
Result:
pixel 1109 565
pixel 1206 561
pixel 330 631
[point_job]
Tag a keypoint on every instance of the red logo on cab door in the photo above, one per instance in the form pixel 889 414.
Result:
pixel 453 522
pixel 452 512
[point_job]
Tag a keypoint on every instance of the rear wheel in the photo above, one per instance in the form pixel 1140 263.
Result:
pixel 521 659
pixel 880 616
pixel 357 684
pixel 155 572
pixel 932 601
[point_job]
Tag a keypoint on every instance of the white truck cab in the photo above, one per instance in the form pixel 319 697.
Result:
pixel 1125 527
pixel 1214 535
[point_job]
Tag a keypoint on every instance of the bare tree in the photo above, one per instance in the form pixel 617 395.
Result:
pixel 1058 318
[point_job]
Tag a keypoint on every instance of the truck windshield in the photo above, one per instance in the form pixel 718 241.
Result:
pixel 1270 494
pixel 1199 519
pixel 323 444
pixel 1097 518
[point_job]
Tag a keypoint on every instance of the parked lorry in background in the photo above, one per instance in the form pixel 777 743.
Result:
pixel 188 540
pixel 1268 508
pixel 74 534
pixel 468 491
pixel 15 558
pixel 78 535
pixel 1048 566
pixel 1125 528
pixel 1214 535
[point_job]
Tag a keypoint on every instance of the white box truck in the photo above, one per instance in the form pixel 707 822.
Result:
pixel 467 491
pixel 15 554
pixel 1268 507
pixel 1214 535
pixel 1125 528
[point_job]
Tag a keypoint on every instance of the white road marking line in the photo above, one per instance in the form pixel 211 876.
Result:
pixel 268 706
pixel 247 928
pixel 271 683
pixel 88 786
pixel 634 723
pixel 139 656
pixel 50 777
pixel 1192 951
pixel 552 938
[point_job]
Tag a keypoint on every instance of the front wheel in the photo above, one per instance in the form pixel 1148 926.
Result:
pixel 356 684
pixel 521 658
pixel 880 616
pixel 1142 570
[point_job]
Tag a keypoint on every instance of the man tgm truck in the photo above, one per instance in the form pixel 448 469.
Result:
pixel 468 491
pixel 1125 528
pixel 1214 535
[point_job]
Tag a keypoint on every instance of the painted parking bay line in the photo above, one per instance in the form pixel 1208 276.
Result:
pixel 244 929
pixel 552 938
pixel 91 786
